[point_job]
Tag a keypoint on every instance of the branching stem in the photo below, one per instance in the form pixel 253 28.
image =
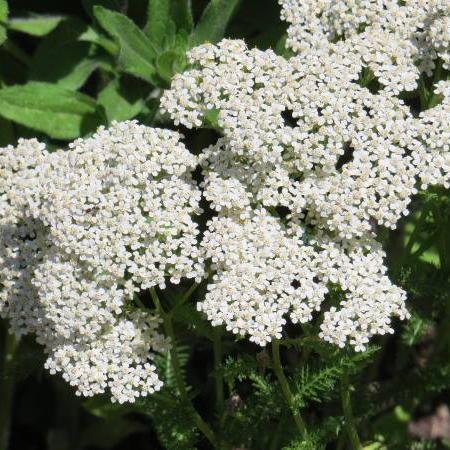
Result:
pixel 168 327
pixel 278 369
pixel 350 426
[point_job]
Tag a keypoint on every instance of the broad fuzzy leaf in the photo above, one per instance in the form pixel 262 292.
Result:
pixel 51 109
pixel 160 28
pixel 137 53
pixel 123 99
pixel 170 63
pixel 35 24
pixel 3 19
pixel 110 4
pixel 76 60
pixel 214 21
pixel 181 13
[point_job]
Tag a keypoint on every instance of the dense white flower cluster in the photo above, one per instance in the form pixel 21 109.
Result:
pixel 82 232
pixel 303 135
pixel 433 156
pixel 371 300
pixel 397 40
pixel 266 272
pixel 262 274
pixel 310 163
pixel 22 240
pixel 339 160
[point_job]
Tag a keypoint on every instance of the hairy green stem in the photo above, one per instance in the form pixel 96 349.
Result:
pixel 6 389
pixel 278 369
pixel 168 327
pixel 350 426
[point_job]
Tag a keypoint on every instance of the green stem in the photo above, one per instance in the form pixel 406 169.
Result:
pixel 6 389
pixel 217 346
pixel 341 442
pixel 17 52
pixel 278 369
pixel 168 327
pixel 275 441
pixel 417 230
pixel 184 299
pixel 350 426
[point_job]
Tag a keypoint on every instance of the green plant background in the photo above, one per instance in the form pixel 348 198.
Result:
pixel 69 66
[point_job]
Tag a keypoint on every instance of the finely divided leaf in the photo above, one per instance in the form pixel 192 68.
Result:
pixel 214 21
pixel 137 53
pixel 51 109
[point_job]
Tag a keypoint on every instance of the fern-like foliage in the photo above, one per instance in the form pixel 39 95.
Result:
pixel 170 414
pixel 317 382
pixel 172 420
pixel 305 444
pixel 164 364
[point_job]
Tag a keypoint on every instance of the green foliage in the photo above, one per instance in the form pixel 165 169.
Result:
pixel 172 420
pixel 181 13
pixel 67 67
pixel 76 59
pixel 50 109
pixel 93 60
pixel 172 416
pixel 170 63
pixel 6 132
pixel 195 321
pixel 115 5
pixel 160 27
pixel 213 22
pixel 35 24
pixel 123 99
pixel 260 404
pixel 136 51
pixel 165 366
pixel 415 330
pixel 304 444
pixel 318 382
pixel 3 19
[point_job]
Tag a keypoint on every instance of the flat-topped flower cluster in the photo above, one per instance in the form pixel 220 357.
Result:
pixel 82 232
pixel 398 40
pixel 310 163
